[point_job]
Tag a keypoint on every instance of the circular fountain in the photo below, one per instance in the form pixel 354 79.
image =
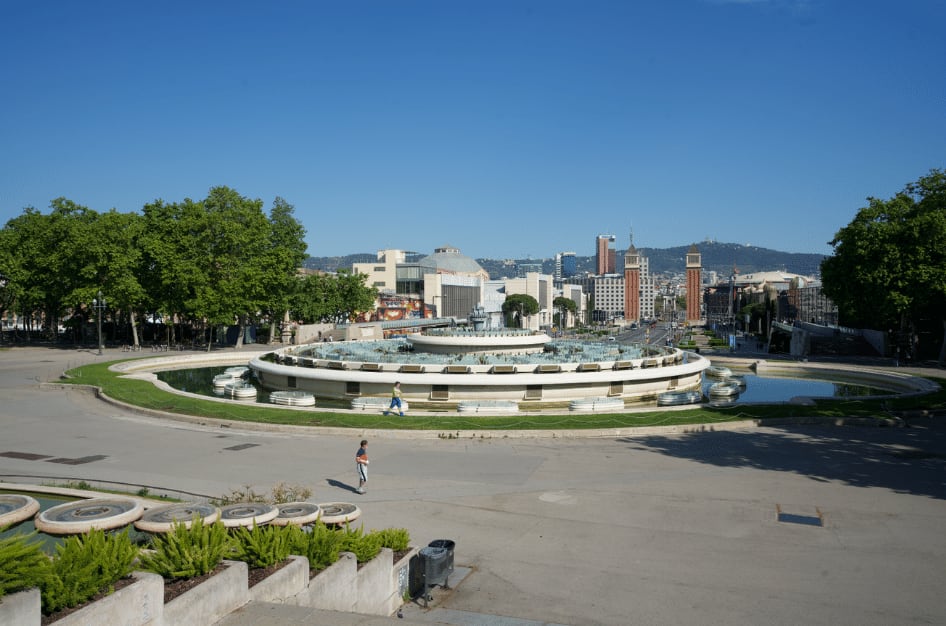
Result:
pixel 15 508
pixel 73 518
pixel 446 367
pixel 162 519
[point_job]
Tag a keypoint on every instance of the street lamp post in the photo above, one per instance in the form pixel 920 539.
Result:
pixel 99 305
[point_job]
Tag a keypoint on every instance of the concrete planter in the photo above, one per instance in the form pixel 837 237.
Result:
pixel 333 588
pixel 212 599
pixel 377 588
pixel 23 608
pixel 290 581
pixel 137 604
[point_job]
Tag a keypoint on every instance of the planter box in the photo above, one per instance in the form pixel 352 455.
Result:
pixel 137 604
pixel 290 581
pixel 375 584
pixel 212 599
pixel 333 588
pixel 23 608
pixel 376 589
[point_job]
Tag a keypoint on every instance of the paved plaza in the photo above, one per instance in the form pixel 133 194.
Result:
pixel 660 528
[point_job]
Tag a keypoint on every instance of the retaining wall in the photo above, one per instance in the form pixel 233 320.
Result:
pixel 377 588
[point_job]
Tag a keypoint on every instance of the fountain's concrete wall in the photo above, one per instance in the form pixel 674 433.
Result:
pixel 340 380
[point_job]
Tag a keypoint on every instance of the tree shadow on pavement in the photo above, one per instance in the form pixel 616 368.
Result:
pixel 905 460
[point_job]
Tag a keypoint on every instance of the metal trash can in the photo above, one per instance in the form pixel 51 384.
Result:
pixel 430 566
pixel 449 546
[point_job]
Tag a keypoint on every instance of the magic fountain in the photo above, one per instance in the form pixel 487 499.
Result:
pixel 457 368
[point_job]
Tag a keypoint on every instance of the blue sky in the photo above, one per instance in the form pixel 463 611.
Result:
pixel 505 128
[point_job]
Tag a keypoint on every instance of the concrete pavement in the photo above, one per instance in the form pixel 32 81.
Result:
pixel 652 529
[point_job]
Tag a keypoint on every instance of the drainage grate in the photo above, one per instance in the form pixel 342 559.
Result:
pixel 28 456
pixel 795 518
pixel 242 446
pixel 79 461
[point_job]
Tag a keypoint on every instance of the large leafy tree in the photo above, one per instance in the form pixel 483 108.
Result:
pixel 47 249
pixel 333 298
pixel 286 253
pixel 175 263
pixel 519 305
pixel 561 303
pixel 237 246
pixel 888 270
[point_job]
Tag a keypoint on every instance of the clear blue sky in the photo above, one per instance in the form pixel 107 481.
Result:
pixel 506 128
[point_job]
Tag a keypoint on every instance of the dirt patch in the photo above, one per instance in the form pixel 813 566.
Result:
pixel 259 574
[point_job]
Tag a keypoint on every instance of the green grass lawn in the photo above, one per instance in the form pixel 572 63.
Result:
pixel 146 395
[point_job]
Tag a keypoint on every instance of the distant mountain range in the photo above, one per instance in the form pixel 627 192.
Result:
pixel 718 257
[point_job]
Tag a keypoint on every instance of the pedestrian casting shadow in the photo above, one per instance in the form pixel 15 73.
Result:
pixel 904 460
pixel 337 483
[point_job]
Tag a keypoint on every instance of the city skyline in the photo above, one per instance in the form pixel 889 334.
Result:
pixel 511 129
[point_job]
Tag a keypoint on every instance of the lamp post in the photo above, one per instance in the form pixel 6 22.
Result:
pixel 99 305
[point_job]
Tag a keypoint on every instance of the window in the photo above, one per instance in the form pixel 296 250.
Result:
pixel 291 381
pixel 353 388
pixel 533 392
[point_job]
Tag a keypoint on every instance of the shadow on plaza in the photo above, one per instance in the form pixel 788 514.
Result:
pixel 905 460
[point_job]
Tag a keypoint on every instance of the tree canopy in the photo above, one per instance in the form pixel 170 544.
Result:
pixel 519 305
pixel 888 271
pixel 194 264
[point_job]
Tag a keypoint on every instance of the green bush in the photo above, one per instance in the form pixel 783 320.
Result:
pixel 397 539
pixel 188 552
pixel 262 546
pixel 364 546
pixel 85 565
pixel 23 564
pixel 320 544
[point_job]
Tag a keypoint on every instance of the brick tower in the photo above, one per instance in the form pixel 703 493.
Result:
pixel 694 283
pixel 632 285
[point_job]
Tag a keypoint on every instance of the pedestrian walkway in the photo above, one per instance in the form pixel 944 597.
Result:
pixel 652 527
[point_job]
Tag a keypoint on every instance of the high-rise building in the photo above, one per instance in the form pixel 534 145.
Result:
pixel 605 255
pixel 566 265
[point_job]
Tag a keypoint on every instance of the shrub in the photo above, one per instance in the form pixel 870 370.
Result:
pixel 188 552
pixel 85 565
pixel 364 546
pixel 262 546
pixel 397 539
pixel 320 544
pixel 281 493
pixel 23 564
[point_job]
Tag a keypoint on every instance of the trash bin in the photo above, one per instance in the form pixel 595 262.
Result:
pixel 449 546
pixel 428 568
pixel 436 568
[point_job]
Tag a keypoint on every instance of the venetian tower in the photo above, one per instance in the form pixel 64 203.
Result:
pixel 694 283
pixel 632 284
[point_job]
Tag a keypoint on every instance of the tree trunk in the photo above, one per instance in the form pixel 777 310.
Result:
pixel 241 323
pixel 133 320
pixel 942 346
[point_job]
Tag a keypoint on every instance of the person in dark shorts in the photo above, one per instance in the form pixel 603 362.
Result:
pixel 361 465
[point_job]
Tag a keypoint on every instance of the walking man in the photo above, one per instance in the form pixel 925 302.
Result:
pixel 396 399
pixel 361 465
